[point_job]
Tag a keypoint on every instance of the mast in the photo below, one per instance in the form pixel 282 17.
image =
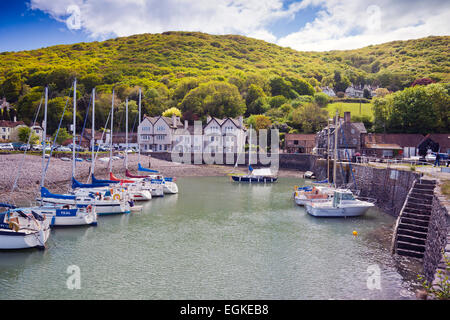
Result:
pixel 139 122
pixel 250 147
pixel 328 150
pixel 111 133
pixel 44 125
pixel 93 132
pixel 126 133
pixel 335 148
pixel 74 125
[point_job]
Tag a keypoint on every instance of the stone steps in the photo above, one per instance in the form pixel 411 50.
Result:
pixel 409 253
pixel 412 228
pixel 408 232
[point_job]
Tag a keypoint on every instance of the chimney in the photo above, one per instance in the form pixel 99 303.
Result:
pixel 208 118
pixel 15 119
pixel 174 120
pixel 347 117
pixel 186 124
pixel 241 121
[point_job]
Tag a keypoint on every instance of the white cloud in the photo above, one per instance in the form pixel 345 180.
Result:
pixel 342 25
pixel 102 18
pixel 338 24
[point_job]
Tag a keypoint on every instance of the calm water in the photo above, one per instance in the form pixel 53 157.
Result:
pixel 215 240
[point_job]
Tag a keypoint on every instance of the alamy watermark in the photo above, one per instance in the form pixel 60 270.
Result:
pixel 231 147
pixel 74 280
pixel 374 278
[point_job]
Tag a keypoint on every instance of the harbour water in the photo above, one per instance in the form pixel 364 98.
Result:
pixel 216 239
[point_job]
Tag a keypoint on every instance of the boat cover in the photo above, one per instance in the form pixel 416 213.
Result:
pixel 76 184
pixel 141 168
pixel 47 194
pixel 98 181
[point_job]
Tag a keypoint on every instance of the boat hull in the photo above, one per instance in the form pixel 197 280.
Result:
pixel 330 211
pixel 170 187
pixel 10 240
pixel 101 208
pixel 60 217
pixel 254 179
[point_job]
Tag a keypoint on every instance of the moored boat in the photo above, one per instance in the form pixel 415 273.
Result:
pixel 343 204
pixel 19 230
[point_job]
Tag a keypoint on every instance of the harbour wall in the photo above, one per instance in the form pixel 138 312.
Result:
pixel 300 162
pixel 438 238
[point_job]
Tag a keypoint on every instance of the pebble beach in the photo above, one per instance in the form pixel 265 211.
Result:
pixel 59 173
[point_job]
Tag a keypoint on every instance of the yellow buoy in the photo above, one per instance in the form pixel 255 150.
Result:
pixel 355 233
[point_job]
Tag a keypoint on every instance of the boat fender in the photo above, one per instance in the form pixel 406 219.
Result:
pixel 116 196
pixel 89 208
pixel 14 226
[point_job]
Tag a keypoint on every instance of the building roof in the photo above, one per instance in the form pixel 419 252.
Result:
pixel 442 138
pixel 11 124
pixel 400 139
pixel 300 136
pixel 360 127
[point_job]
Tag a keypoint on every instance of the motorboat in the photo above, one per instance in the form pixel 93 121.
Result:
pixel 343 204
pixel 310 194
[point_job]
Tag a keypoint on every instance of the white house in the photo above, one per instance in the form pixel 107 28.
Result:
pixel 167 134
pixel 157 133
pixel 328 91
pixel 9 130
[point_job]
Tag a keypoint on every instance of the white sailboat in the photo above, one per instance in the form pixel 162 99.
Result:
pixel 19 230
pixel 91 198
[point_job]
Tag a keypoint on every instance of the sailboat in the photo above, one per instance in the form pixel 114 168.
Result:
pixel 263 175
pixel 157 183
pixel 19 230
pixel 104 199
pixel 342 203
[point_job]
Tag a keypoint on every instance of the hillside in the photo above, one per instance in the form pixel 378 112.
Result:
pixel 171 65
pixel 172 55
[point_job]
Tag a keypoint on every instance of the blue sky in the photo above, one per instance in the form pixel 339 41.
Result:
pixel 315 25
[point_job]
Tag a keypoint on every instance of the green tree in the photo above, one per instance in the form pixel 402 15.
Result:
pixel 214 98
pixel 280 87
pixel 63 135
pixel 24 134
pixel 172 111
pixel 322 99
pixel 309 118
pixel 259 122
pixel 12 86
pixel 301 86
pixel 419 109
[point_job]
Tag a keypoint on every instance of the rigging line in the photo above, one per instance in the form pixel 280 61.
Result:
pixel 57 133
pixel 98 149
pixel 84 126
pixel 26 146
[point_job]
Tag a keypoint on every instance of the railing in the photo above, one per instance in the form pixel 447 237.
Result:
pixel 394 237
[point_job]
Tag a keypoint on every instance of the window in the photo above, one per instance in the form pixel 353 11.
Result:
pixel 353 131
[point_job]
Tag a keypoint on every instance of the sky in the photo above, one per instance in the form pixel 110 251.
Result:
pixel 305 25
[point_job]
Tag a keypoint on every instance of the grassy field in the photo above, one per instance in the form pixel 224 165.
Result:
pixel 354 108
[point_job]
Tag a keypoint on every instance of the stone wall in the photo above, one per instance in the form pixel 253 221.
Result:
pixel 301 162
pixel 389 187
pixel 438 238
